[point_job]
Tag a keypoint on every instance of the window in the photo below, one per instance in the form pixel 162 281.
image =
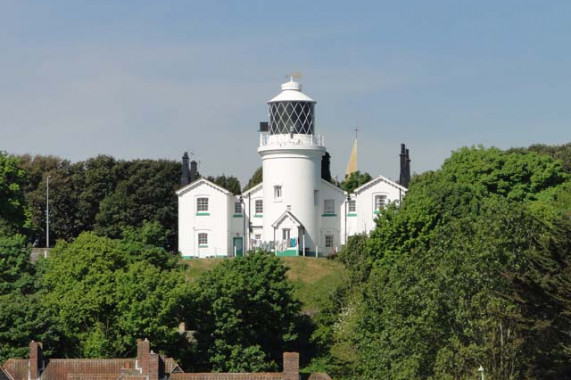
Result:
pixel 329 206
pixel 201 204
pixel 285 233
pixel 202 238
pixel 352 205
pixel 277 192
pixel 237 208
pixel 329 241
pixel 380 201
pixel 258 236
pixel 259 206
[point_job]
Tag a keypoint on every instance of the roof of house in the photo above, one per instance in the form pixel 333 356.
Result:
pixel 200 182
pixel 377 180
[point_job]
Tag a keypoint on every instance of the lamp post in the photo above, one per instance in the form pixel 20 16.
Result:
pixel 482 372
pixel 48 212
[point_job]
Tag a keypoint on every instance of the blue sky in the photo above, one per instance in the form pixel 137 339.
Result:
pixel 152 79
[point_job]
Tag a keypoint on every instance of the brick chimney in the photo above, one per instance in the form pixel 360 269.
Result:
pixel 291 366
pixel 143 350
pixel 36 360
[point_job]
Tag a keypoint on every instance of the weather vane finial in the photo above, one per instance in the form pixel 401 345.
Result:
pixel 295 74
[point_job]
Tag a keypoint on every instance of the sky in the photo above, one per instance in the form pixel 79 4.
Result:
pixel 153 79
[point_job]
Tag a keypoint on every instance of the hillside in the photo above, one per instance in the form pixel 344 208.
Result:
pixel 314 278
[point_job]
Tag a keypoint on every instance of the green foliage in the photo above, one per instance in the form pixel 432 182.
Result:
pixel 256 179
pixel 469 271
pixel 516 176
pixel 245 305
pixel 104 294
pixel 355 180
pixel 13 212
pixel 232 184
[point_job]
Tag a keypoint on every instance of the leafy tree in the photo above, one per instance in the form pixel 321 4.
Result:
pixel 245 305
pixel 21 316
pixel 104 294
pixel 355 180
pixel 256 179
pixel 13 212
pixel 145 191
pixel 463 274
pixel 232 184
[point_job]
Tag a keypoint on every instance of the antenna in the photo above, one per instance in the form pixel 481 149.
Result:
pixel 356 131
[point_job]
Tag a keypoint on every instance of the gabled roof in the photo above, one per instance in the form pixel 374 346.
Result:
pixel 252 189
pixel 285 215
pixel 377 180
pixel 200 182
pixel 340 190
pixel 16 368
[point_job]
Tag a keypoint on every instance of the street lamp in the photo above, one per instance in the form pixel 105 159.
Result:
pixel 48 212
pixel 482 372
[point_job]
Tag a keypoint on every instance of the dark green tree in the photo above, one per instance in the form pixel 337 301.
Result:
pixel 256 179
pixel 232 184
pixel 14 214
pixel 355 180
pixel 246 314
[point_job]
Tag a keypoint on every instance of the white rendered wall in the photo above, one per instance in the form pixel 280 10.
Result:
pixel 364 221
pixel 297 169
pixel 331 224
pixel 215 224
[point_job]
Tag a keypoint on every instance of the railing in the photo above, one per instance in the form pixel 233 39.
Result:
pixel 291 140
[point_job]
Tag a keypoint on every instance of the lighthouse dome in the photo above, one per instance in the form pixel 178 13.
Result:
pixel 291 111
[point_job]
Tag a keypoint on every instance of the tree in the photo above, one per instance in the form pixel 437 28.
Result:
pixel 105 293
pixel 355 180
pixel 256 179
pixel 145 191
pixel 245 305
pixel 232 184
pixel 14 214
pixel 470 270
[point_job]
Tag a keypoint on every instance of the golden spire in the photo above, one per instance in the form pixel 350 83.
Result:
pixel 352 165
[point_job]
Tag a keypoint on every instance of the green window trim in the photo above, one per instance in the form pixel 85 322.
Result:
pixel 352 214
pixel 202 214
pixel 377 212
pixel 238 216
pixel 258 215
pixel 203 246
pixel 328 215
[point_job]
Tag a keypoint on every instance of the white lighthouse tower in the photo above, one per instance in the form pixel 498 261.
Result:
pixel 291 160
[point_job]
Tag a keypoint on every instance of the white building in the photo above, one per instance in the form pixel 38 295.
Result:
pixel 293 211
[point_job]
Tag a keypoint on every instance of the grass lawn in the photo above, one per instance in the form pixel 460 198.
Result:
pixel 314 279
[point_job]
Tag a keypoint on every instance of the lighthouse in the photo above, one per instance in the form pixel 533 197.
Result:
pixel 295 211
pixel 291 159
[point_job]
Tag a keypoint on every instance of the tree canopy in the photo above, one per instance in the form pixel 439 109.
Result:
pixel 246 314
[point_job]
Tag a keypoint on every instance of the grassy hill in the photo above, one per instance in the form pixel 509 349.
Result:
pixel 313 278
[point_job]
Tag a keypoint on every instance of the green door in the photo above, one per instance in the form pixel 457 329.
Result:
pixel 238 246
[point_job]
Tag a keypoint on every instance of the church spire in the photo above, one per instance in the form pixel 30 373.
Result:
pixel 352 165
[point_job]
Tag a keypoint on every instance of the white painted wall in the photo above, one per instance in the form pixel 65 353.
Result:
pixel 215 223
pixel 296 167
pixel 365 198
